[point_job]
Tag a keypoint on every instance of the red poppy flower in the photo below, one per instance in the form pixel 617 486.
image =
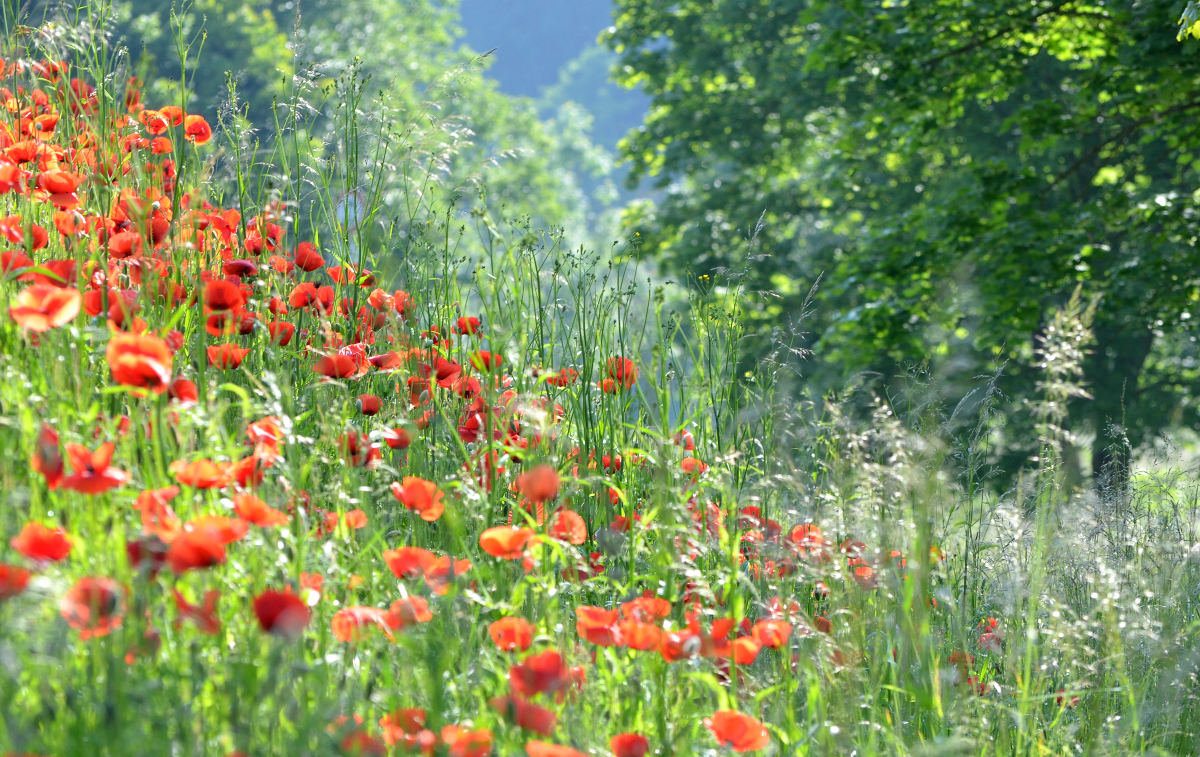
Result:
pixel 539 673
pixel 511 634
pixel 505 542
pixel 486 361
pixel 444 569
pixel 204 616
pixel 223 295
pixel 569 526
pixel 367 404
pixel 638 635
pixel 397 438
pixel 225 356
pixel 224 530
pixel 93 606
pixel 239 268
pixel 42 307
pixel 193 550
pixel 307 258
pixel 41 544
pixel 46 458
pixel 409 610
pixel 281 613
pixel 772 633
pixel 355 519
pixel 464 743
pixel 359 451
pixel 649 609
pixel 622 371
pixel 409 562
pixel 693 466
pixel 201 474
pixel 183 391
pixel 353 623
pixel 252 509
pixel 597 625
pixel 539 484
pixel 140 360
pixel 158 519
pixel 629 745
pixel 542 749
pixel 196 129
pixel 738 731
pixel 407 728
pixel 745 650
pixel 525 714
pixel 466 325
pixel 93 474
pixel 339 366
pixel 281 332
pixel 13 581
pixel 421 496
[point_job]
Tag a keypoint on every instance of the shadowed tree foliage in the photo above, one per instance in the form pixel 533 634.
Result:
pixel 954 169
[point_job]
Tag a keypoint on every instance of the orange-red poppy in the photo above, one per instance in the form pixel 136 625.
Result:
pixel 544 749
pixel 772 633
pixel 193 550
pixel 745 650
pixel 223 295
pixel 41 543
pixel 443 571
pixel 196 129
pixel 421 496
pixel 367 404
pixel 409 562
pixel 93 473
pixel 598 625
pixel 352 624
pixel 629 745
pixel 511 634
pixel 622 371
pixel 252 509
pixel 638 635
pixel 46 458
pixel 93 606
pixel 140 360
pixel 13 581
pixel 225 356
pixel 539 673
pixel 281 613
pixel 307 258
pixel 461 742
pixel 203 616
pixel 539 484
pixel 42 307
pixel 505 542
pixel 183 391
pixel 648 609
pixel 158 518
pixel 738 731
pixel 412 609
pixel 525 714
pixel 355 519
pixel 201 474
pixel 569 526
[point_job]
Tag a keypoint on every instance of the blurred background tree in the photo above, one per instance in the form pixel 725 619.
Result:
pixel 954 170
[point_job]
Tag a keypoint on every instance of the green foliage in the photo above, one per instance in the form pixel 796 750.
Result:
pixel 954 170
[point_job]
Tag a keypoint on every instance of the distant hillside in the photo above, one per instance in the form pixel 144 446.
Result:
pixel 535 38
pixel 546 49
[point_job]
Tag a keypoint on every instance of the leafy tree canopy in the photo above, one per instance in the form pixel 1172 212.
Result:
pixel 953 169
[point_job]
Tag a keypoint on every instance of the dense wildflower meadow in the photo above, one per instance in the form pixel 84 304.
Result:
pixel 280 481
